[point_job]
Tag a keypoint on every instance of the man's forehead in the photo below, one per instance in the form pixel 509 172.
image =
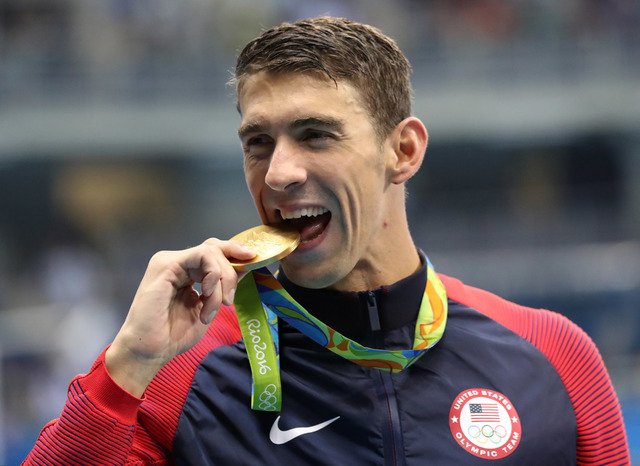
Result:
pixel 311 75
pixel 307 80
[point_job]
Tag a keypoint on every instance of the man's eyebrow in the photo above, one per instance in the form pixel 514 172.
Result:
pixel 249 128
pixel 333 124
pixel 328 123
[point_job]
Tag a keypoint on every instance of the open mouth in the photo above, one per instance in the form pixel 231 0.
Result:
pixel 310 222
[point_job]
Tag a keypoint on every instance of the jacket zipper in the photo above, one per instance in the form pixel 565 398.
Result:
pixel 393 444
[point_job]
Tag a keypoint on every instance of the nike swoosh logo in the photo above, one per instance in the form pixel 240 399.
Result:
pixel 279 437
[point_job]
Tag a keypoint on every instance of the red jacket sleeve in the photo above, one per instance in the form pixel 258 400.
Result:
pixel 103 424
pixel 602 438
pixel 96 426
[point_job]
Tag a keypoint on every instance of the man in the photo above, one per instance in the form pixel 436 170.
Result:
pixel 415 368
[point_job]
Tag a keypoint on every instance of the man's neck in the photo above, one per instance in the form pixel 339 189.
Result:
pixel 346 312
pixel 371 276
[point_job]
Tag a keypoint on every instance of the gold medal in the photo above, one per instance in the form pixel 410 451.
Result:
pixel 271 243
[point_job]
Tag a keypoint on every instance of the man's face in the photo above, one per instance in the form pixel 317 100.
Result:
pixel 312 158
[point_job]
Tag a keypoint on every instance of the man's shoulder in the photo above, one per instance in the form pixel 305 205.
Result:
pixel 551 332
pixel 490 304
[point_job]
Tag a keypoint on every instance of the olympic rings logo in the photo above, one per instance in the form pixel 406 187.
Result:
pixel 485 423
pixel 268 398
pixel 486 433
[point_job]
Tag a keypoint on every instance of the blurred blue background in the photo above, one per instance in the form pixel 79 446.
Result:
pixel 118 138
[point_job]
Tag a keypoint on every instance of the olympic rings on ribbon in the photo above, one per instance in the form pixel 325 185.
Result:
pixel 267 398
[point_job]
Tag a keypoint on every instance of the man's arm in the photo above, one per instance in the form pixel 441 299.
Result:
pixel 96 426
pixel 167 317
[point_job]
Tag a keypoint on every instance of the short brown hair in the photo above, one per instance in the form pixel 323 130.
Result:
pixel 340 50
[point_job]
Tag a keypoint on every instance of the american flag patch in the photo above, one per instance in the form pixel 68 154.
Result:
pixel 484 412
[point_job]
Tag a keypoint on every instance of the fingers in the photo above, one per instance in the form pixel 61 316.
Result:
pixel 232 248
pixel 207 264
pixel 228 277
pixel 219 279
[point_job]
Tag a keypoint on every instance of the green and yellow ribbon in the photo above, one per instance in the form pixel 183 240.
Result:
pixel 260 299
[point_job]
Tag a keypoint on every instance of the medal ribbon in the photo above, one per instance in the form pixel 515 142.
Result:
pixel 273 299
pixel 259 329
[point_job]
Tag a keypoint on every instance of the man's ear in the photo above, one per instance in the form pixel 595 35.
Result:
pixel 409 141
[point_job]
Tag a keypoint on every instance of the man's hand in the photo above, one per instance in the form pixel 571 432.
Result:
pixel 168 316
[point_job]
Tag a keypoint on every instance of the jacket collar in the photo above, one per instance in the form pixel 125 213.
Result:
pixel 348 312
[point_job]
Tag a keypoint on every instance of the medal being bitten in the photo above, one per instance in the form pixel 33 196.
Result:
pixel 271 242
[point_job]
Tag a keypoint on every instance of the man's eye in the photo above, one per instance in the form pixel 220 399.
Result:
pixel 314 135
pixel 256 141
pixel 256 144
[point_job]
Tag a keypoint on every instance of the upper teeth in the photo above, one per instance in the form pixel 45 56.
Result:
pixel 306 212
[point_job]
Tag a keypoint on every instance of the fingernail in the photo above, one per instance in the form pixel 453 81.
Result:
pixel 231 295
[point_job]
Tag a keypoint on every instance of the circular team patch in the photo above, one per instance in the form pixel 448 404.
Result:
pixel 485 423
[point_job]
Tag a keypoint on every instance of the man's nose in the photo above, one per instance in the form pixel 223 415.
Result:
pixel 286 167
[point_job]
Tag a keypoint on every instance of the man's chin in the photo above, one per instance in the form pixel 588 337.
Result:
pixel 307 275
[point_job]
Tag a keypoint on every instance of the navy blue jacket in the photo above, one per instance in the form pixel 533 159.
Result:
pixel 505 384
